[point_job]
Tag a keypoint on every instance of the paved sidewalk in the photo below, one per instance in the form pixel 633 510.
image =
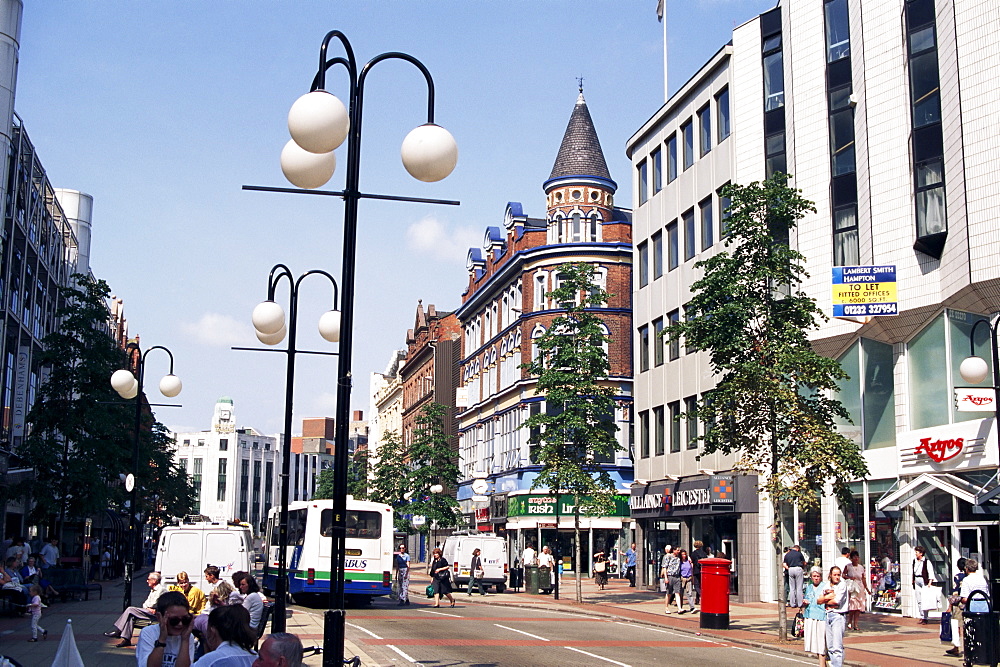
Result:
pixel 91 619
pixel 887 640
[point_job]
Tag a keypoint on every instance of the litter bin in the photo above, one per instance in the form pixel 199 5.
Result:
pixel 531 579
pixel 982 631
pixel 545 580
pixel 516 578
pixel 714 593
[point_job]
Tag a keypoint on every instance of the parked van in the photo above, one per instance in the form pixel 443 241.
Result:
pixel 193 547
pixel 458 550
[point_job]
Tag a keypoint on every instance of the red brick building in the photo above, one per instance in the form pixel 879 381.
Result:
pixel 504 308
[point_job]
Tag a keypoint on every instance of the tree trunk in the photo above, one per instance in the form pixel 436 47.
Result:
pixel 778 524
pixel 579 551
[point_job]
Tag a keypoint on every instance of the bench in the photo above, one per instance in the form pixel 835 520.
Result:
pixel 13 601
pixel 71 582
pixel 264 618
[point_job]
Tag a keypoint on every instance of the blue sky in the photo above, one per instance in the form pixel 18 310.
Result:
pixel 163 110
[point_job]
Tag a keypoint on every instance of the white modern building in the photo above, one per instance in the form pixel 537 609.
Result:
pixel 881 112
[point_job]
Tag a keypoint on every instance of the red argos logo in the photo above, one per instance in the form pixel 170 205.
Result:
pixel 940 450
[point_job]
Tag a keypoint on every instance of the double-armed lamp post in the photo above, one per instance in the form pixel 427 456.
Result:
pixel 319 123
pixel 269 323
pixel 129 387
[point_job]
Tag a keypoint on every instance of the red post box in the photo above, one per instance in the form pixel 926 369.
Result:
pixel 715 593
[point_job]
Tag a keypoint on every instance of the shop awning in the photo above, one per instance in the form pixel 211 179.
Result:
pixel 912 491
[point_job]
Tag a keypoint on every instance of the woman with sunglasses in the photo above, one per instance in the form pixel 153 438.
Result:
pixel 229 639
pixel 168 643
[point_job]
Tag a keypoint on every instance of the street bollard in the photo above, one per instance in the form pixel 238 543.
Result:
pixel 714 593
pixel 982 631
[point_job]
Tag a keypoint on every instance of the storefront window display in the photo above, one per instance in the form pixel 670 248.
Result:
pixel 659 534
pixel 874 535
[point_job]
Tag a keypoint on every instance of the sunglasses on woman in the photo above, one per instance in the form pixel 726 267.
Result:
pixel 179 620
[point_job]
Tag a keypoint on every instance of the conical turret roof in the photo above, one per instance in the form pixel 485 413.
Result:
pixel 580 153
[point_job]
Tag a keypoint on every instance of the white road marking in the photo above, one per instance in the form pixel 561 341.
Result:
pixel 375 636
pixel 772 655
pixel 521 632
pixel 599 657
pixel 440 613
pixel 668 632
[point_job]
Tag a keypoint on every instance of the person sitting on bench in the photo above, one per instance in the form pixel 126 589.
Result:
pixel 126 622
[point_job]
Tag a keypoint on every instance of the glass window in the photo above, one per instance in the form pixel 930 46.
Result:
pixel 922 39
pixel 846 251
pixel 673 246
pixel 930 398
pixel 657 159
pixel 687 130
pixel 724 204
pixel 691 417
pixel 643 250
pixel 671 158
pixel 878 395
pixel 660 426
pixel 925 89
pixel 359 524
pixel 675 426
pixel 675 344
pixel 707 230
pixel 643 184
pixel 838 32
pixel 658 342
pixel 774 82
pixel 689 234
pixel 842 141
pixel 644 348
pixel 960 325
pixel 931 214
pixel 644 434
pixel 705 129
pixel 223 444
pixel 849 395
pixel 657 240
pixel 722 114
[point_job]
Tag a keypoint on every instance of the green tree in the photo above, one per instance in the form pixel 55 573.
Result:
pixel 357 478
pixel 390 478
pixel 578 426
pixel 166 486
pixel 774 406
pixel 432 461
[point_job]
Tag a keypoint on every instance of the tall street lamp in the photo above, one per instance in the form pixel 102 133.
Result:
pixel 318 123
pixel 269 323
pixel 128 387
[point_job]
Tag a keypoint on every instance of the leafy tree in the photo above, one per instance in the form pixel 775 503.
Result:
pixel 431 462
pixel 163 481
pixel 390 478
pixel 357 478
pixel 773 407
pixel 578 427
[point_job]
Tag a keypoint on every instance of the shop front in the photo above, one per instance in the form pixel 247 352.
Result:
pixel 548 520
pixel 945 501
pixel 719 510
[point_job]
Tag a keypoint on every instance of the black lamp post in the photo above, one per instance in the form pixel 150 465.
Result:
pixel 269 322
pixel 129 386
pixel 319 123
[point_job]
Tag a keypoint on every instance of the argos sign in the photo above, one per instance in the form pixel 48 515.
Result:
pixel 962 445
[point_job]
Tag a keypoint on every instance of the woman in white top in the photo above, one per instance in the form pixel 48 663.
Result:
pixel 229 638
pixel 923 577
pixel 252 600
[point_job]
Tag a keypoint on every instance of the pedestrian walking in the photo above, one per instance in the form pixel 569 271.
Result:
pixel 955 609
pixel 794 564
pixel 476 573
pixel 670 570
pixel 35 609
pixel 699 552
pixel 402 562
pixel 600 569
pixel 835 598
pixel 815 617
pixel 687 574
pixel 858 581
pixel 923 578
pixel 440 578
pixel 630 561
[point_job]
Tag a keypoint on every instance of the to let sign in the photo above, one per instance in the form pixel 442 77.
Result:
pixel 975 399
pixel 863 291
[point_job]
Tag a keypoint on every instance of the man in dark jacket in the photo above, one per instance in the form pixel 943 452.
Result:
pixel 476 573
pixel 696 555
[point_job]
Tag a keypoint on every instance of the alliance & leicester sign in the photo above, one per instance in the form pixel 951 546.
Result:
pixel 716 493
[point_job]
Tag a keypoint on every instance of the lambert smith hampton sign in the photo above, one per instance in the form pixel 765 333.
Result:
pixel 958 446
pixel 863 291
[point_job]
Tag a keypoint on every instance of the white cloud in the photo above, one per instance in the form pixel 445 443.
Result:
pixel 219 330
pixel 432 237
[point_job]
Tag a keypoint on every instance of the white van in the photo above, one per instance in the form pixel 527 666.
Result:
pixel 458 550
pixel 193 547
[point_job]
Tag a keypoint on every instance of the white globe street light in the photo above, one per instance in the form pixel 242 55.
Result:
pixel 974 369
pixel 304 169
pixel 272 339
pixel 429 153
pixel 170 385
pixel 132 391
pixel 268 317
pixel 329 326
pixel 318 122
pixel 436 488
pixel 121 380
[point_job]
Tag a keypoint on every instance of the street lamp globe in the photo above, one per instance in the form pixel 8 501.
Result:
pixel 170 385
pixel 429 153
pixel 437 488
pixel 268 317
pixel 318 122
pixel 974 369
pixel 132 391
pixel 121 380
pixel 272 339
pixel 304 169
pixel 329 326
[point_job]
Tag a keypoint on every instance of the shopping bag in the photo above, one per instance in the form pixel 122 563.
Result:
pixel 946 627
pixel 799 625
pixel 430 591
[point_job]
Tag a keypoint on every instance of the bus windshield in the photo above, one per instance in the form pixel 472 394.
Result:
pixel 362 525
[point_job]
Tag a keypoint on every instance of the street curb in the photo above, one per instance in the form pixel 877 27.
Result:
pixel 703 633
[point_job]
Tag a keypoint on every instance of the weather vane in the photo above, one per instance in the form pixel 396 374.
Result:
pixel 579 81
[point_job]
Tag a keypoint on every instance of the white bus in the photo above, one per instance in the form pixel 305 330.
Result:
pixel 368 549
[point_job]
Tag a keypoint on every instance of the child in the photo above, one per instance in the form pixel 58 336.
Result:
pixel 35 607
